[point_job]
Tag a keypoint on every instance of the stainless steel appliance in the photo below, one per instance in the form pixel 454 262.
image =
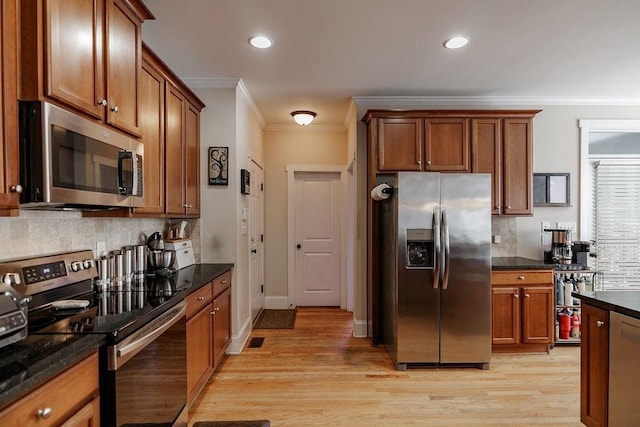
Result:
pixel 13 312
pixel 69 162
pixel 560 251
pixel 435 265
pixel 143 379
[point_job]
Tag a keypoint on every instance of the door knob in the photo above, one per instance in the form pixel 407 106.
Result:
pixel 253 251
pixel 298 246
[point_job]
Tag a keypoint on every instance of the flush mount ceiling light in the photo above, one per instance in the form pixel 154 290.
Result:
pixel 303 117
pixel 260 42
pixel 456 42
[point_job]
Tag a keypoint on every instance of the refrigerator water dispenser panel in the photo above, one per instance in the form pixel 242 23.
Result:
pixel 420 253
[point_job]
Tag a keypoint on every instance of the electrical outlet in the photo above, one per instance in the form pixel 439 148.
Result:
pixel 567 226
pixel 496 238
pixel 545 239
pixel 544 225
pixel 100 248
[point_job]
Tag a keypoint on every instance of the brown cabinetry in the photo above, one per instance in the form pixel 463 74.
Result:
pixel 446 144
pixel 208 331
pixel 96 74
pixel 503 148
pixel 70 399
pixel 9 157
pixel 522 314
pixel 594 366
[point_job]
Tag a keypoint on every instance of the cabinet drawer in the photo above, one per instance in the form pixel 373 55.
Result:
pixel 198 299
pixel 62 396
pixel 221 283
pixel 522 277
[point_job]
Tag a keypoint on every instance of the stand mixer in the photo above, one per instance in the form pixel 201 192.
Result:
pixel 160 260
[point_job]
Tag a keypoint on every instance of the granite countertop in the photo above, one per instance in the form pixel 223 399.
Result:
pixel 518 263
pixel 623 302
pixel 29 363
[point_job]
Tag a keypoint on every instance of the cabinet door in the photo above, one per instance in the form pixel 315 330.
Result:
pixel 486 144
pixel 87 416
pixel 399 144
pixel 192 161
pixel 174 136
pixel 505 319
pixel 75 64
pixel 594 366
pixel 152 132
pixel 537 315
pixel 9 157
pixel 199 357
pixel 446 144
pixel 517 140
pixel 124 57
pixel 221 325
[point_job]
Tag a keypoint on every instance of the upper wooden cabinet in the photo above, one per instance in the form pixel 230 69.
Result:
pixel 419 144
pixel 503 147
pixel 9 157
pixel 85 54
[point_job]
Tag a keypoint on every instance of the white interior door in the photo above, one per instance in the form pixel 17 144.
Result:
pixel 317 238
pixel 256 240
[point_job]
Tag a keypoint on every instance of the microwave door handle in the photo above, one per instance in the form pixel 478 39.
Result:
pixel 445 236
pixel 436 239
pixel 134 177
pixel 122 189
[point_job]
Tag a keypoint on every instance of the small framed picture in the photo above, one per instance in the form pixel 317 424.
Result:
pixel 218 165
pixel 551 189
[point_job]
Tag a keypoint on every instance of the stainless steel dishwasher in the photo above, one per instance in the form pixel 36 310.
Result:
pixel 624 370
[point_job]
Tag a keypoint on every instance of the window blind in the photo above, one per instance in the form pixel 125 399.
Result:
pixel 616 213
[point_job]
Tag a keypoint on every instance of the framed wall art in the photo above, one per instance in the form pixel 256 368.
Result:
pixel 551 189
pixel 218 165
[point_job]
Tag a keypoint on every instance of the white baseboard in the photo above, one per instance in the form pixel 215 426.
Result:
pixel 276 303
pixel 238 341
pixel 359 328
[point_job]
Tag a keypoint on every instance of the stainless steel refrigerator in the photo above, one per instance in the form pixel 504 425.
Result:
pixel 435 269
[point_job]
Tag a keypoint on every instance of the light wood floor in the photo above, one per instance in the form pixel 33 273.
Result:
pixel 319 374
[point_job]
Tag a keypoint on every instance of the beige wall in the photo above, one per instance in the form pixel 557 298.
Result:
pixel 282 148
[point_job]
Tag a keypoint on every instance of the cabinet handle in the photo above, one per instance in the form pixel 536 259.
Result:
pixel 516 296
pixel 115 109
pixel 526 295
pixel 508 207
pixel 600 323
pixel 200 298
pixel 419 162
pixel 102 102
pixel 16 189
pixel 44 413
pixel 224 282
pixel 215 310
pixel 521 278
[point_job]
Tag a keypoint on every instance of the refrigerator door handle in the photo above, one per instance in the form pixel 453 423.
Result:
pixel 445 235
pixel 436 240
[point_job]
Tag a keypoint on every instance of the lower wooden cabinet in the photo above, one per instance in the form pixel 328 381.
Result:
pixel 594 366
pixel 208 331
pixel 71 400
pixel 522 310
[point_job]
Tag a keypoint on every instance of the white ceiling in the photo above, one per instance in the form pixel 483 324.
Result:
pixel 327 51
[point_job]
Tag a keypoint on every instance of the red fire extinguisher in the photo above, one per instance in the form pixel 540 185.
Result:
pixel 575 324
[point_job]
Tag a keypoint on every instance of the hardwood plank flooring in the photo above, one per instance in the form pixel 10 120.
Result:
pixel 318 374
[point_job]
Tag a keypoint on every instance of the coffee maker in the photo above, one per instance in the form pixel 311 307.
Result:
pixel 560 252
pixel 581 252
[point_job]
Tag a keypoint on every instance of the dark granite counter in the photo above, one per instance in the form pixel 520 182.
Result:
pixel 31 362
pixel 518 263
pixel 623 302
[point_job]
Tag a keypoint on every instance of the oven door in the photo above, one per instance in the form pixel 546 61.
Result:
pixel 145 382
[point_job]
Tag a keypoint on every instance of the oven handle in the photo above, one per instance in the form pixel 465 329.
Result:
pixel 120 354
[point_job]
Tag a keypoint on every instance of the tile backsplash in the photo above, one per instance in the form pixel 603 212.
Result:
pixel 43 232
pixel 507 229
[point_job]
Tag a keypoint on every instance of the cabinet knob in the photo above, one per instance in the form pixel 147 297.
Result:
pixel 115 109
pixel 44 413
pixel 102 102
pixel 521 278
pixel 200 298
pixel 526 295
pixel 600 323
pixel 516 296
pixel 419 162
pixel 16 189
pixel 509 207
pixel 224 282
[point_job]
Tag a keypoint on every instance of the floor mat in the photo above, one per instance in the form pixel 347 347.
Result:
pixel 256 342
pixel 276 319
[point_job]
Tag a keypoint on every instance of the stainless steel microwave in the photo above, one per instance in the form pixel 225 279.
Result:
pixel 69 162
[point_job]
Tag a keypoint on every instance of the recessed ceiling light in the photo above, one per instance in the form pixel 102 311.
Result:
pixel 261 42
pixel 456 42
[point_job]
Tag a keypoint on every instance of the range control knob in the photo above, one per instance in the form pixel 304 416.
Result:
pixel 11 279
pixel 87 263
pixel 76 266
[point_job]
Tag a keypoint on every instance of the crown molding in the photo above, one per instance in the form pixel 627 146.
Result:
pixel 422 101
pixel 244 92
pixel 308 128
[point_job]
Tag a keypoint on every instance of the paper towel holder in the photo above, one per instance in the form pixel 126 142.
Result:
pixel 381 192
